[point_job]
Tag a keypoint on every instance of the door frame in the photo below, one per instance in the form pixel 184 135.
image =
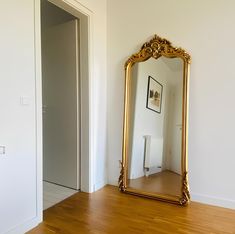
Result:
pixel 85 17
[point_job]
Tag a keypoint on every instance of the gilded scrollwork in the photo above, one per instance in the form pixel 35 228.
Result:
pixel 156 48
pixel 121 178
pixel 185 190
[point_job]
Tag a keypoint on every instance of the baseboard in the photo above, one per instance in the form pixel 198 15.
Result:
pixel 205 199
pixel 215 201
pixel 25 227
pixel 113 182
pixel 100 185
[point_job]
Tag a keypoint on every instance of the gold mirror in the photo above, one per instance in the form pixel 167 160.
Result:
pixel 154 154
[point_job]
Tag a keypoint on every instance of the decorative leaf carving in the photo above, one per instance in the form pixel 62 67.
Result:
pixel 185 191
pixel 121 178
pixel 156 48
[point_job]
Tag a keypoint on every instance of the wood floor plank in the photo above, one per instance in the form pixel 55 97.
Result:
pixel 109 211
pixel 164 182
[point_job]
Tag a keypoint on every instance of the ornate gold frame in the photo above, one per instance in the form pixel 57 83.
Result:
pixel 156 48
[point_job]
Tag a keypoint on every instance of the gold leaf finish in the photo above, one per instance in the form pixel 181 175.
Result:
pixel 120 180
pixel 185 190
pixel 156 48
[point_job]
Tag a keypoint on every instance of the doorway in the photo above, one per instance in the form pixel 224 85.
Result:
pixel 61 103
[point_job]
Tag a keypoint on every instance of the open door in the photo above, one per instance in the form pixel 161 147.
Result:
pixel 61 104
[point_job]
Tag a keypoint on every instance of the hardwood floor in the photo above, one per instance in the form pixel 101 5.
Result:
pixel 109 211
pixel 165 182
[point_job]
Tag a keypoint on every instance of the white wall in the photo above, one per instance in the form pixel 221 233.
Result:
pixel 146 121
pixel 173 132
pixel 165 126
pixel 206 30
pixel 18 207
pixel 17 122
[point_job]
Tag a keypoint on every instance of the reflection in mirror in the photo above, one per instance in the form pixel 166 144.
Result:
pixel 155 129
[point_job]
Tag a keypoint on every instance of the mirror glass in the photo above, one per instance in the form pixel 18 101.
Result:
pixel 155 126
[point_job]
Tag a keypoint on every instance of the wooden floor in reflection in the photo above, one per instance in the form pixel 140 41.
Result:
pixel 165 182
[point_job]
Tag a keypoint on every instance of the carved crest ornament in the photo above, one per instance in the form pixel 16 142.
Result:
pixel 156 48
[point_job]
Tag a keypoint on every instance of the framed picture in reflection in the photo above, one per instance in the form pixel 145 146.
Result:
pixel 154 95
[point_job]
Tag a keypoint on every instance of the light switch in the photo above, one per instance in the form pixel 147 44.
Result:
pixel 2 149
pixel 24 101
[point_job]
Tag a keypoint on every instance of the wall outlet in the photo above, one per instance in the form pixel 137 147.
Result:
pixel 2 150
pixel 24 101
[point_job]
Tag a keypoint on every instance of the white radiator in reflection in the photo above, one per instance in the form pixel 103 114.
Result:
pixel 153 154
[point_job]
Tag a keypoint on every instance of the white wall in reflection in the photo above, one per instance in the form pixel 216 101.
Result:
pixel 164 128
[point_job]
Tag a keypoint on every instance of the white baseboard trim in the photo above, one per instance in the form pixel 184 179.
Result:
pixel 113 182
pixel 205 199
pixel 99 185
pixel 215 201
pixel 201 198
pixel 24 227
